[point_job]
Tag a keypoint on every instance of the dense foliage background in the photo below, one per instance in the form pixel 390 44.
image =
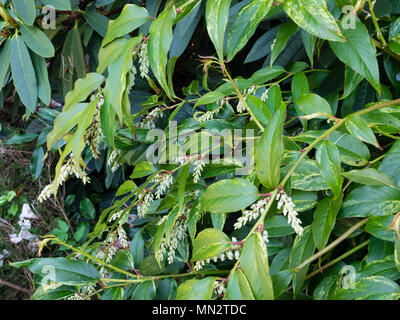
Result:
pixel 308 207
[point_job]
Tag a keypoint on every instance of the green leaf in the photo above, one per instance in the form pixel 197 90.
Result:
pixel 359 53
pixel 285 31
pixel 26 10
pixel 22 138
pixel 274 99
pixel 113 294
pixel 42 77
pixel 352 151
pixel 131 18
pixel 385 268
pixel 277 226
pixel 159 45
pixel 229 196
pixel 302 249
pixel 269 150
pixel 184 290
pixel 144 291
pixel 210 243
pixel 62 270
pixel 313 105
pixel 107 120
pixel 397 254
pixel 137 248
pixel 324 220
pixel 309 44
pixel 371 201
pixel 37 41
pixel 359 128
pixel 109 53
pixel 37 163
pixel 5 55
pixel 379 227
pixel 185 28
pixel 369 177
pixel 217 13
pixel 127 186
pixel 83 88
pixel 87 208
pixel 66 121
pixel 209 97
pixel 97 21
pixel 23 73
pixel 72 58
pixel 314 17
pixel 238 287
pixel 64 5
pixel 281 281
pixel 328 159
pixel 259 109
pixel 196 289
pixel 390 164
pixel 245 24
pixel 117 81
pixel 352 80
pixel 300 86
pixel 254 264
pixel 183 177
pixel 307 177
pixel 143 169
pixel 370 288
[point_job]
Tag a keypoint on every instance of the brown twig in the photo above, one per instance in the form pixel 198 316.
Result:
pixel 14 286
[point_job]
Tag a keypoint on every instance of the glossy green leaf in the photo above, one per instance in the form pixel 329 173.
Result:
pixel 313 16
pixel 82 89
pixel 328 159
pixel 63 5
pixel 369 177
pixel 62 270
pixel 302 249
pixel 109 53
pixel 390 164
pixel 269 150
pixel 143 169
pixel 370 288
pixel 210 243
pixel 380 227
pixel 371 201
pixel 254 264
pixel 360 129
pixel 229 196
pixel 159 45
pixel 285 31
pixel 324 220
pixel 131 18
pixel 314 106
pixel 245 24
pixel 87 208
pixel 359 53
pixel 217 13
pixel 238 287
pixel 196 289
